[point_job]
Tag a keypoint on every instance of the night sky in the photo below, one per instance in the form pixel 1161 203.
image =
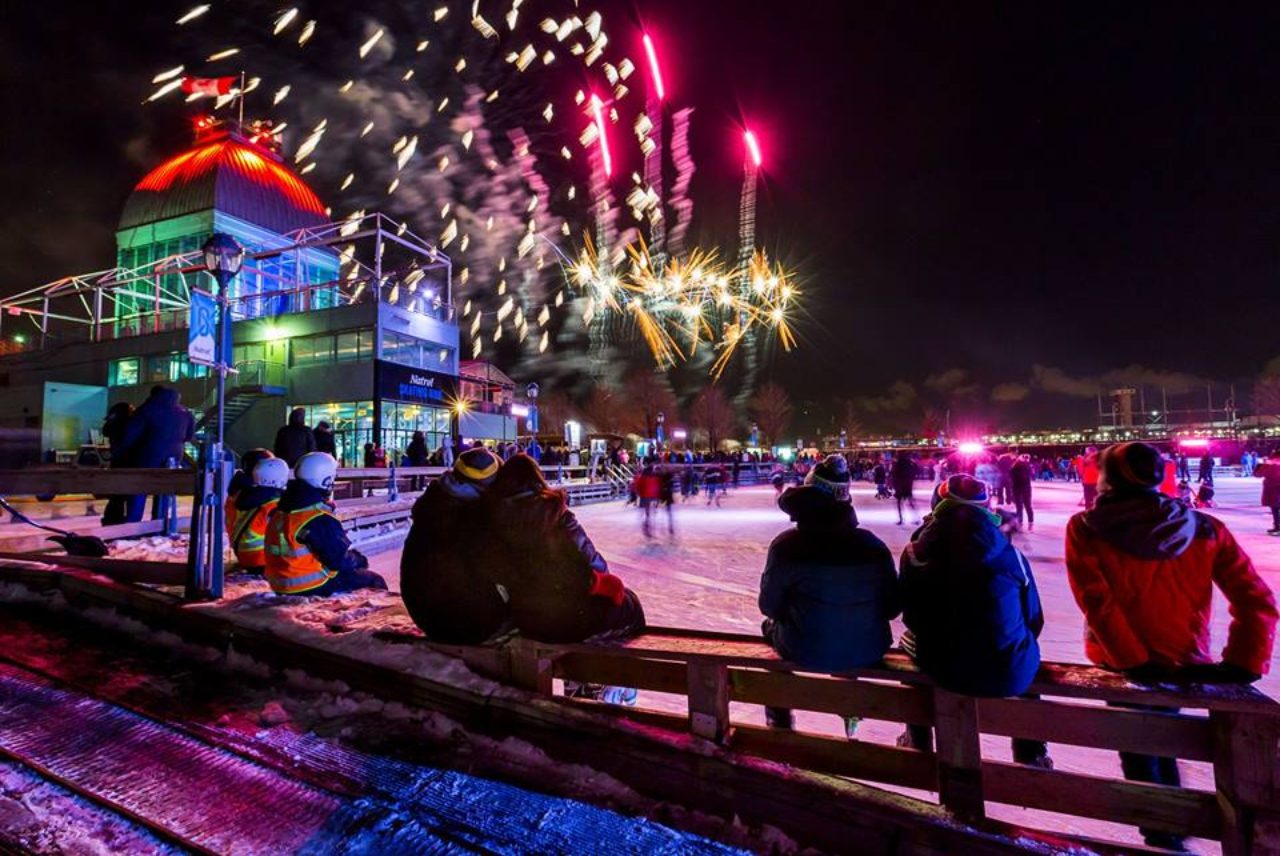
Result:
pixel 994 208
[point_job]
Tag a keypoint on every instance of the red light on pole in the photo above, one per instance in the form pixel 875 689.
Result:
pixel 753 147
pixel 597 110
pixel 653 67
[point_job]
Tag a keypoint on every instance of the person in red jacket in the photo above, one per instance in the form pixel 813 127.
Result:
pixel 647 487
pixel 1087 467
pixel 1142 567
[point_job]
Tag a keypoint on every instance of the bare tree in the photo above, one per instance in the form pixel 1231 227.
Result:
pixel 712 414
pixel 554 409
pixel 646 394
pixel 772 410
pixel 603 410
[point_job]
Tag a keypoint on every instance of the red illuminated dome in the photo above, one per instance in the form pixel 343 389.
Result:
pixel 230 174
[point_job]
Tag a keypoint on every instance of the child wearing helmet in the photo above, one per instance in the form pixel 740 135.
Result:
pixel 252 507
pixel 307 552
pixel 241 479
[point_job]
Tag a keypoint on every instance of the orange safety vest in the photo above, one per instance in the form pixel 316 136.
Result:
pixel 229 514
pixel 291 568
pixel 249 534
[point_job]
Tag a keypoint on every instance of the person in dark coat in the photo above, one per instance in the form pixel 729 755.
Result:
pixel 903 477
pixel 559 584
pixel 829 588
pixel 1270 472
pixel 970 604
pixel 416 454
pixel 154 436
pixel 295 439
pixel 325 441
pixel 446 570
pixel 114 428
pixel 1020 478
pixel 1206 469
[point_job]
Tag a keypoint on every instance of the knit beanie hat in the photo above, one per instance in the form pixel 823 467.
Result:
pixel 1133 466
pixel 831 476
pixel 963 489
pixel 477 465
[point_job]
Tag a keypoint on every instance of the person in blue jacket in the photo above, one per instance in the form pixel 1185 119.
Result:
pixel 829 588
pixel 155 434
pixel 970 604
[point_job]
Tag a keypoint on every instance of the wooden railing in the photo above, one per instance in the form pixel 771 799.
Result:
pixel 1234 728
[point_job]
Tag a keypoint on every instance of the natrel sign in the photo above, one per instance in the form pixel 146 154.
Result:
pixel 406 383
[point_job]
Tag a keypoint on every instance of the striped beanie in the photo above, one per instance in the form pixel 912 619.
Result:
pixel 477 465
pixel 963 489
pixel 831 476
pixel 1132 466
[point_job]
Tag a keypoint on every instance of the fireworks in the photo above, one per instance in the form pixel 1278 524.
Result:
pixel 407 106
pixel 688 303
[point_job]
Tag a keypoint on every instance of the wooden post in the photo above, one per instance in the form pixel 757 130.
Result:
pixel 959 754
pixel 709 700
pixel 1244 770
pixel 530 670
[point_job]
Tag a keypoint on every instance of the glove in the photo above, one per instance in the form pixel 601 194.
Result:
pixel 608 585
pixel 1219 673
pixel 1149 673
pixel 360 559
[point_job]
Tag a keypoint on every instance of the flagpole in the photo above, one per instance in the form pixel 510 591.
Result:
pixel 242 101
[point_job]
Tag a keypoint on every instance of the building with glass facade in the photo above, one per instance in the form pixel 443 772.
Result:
pixel 352 321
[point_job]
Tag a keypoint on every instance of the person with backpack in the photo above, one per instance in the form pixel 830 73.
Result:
pixel 252 507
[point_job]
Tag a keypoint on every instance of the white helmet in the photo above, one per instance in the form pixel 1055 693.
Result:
pixel 317 469
pixel 273 472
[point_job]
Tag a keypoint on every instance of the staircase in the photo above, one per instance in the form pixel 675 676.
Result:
pixel 252 381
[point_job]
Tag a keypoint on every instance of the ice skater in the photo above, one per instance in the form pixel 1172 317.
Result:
pixel 1020 488
pixel 904 479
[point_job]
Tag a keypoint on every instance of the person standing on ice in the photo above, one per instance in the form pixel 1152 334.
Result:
pixel 1270 472
pixel 252 509
pixel 829 588
pixel 1087 466
pixel 1020 478
pixel 1143 568
pixel 903 477
pixel 307 551
pixel 1206 468
pixel 446 576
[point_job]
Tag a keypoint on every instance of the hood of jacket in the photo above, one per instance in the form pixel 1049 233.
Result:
pixel 811 507
pixel 299 494
pixel 256 495
pixel 1143 523
pixel 960 533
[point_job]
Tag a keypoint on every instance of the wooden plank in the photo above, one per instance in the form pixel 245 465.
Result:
pixel 708 691
pixel 600 668
pixel 1178 810
pixel 1071 681
pixel 1245 776
pixel 97 481
pixel 842 696
pixel 124 570
pixel 959 752
pixel 874 762
pixel 1151 733
pixel 32 539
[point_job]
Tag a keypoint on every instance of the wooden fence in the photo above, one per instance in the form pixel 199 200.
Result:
pixel 1234 728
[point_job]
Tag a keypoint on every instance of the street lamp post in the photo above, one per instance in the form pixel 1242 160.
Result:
pixel 223 257
pixel 662 431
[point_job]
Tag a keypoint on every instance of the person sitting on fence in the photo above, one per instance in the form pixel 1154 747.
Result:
pixel 446 576
pixel 253 507
pixel 559 585
pixel 971 607
pixel 1142 568
pixel 241 479
pixel 307 551
pixel 829 588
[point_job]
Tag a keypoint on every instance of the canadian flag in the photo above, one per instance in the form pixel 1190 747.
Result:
pixel 208 85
